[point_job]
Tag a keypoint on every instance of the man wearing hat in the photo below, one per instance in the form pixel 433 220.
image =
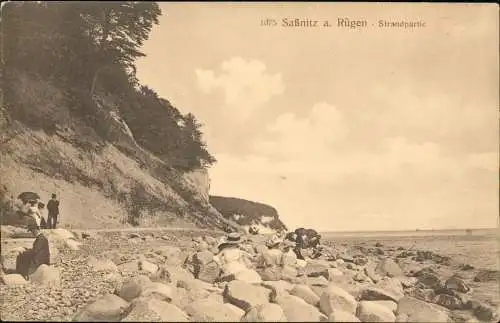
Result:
pixel 30 259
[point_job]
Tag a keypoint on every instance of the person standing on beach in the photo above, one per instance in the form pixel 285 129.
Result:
pixel 34 212
pixel 53 208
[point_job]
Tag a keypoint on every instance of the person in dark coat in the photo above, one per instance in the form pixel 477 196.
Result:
pixel 29 260
pixel 53 209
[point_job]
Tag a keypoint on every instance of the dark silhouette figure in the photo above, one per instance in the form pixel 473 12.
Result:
pixel 29 260
pixel 53 209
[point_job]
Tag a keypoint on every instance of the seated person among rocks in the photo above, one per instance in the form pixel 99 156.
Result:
pixel 231 258
pixel 30 259
pixel 272 255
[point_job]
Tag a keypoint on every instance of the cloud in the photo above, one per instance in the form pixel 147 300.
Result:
pixel 245 85
pixel 309 137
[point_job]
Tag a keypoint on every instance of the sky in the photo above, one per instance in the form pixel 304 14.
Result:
pixel 341 128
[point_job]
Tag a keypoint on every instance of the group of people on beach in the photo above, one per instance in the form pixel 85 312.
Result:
pixel 282 256
pixel 35 209
pixel 28 260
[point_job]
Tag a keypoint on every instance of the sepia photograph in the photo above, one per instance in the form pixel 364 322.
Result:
pixel 249 161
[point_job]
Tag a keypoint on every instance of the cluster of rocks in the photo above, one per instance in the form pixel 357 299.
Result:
pixel 164 277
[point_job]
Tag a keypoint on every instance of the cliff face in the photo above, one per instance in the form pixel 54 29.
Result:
pixel 100 183
pixel 246 213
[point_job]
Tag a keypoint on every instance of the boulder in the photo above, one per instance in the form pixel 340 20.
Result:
pixel 487 276
pixel 330 273
pixel 249 276
pixel 335 298
pixel 144 309
pixel 277 289
pixel 72 244
pixel 162 292
pixel 132 288
pixel 46 275
pixel 342 316
pixel 449 301
pixel 174 274
pixel 360 260
pixel 315 268
pixel 424 294
pixel 430 280
pixel 306 293
pixel 147 267
pixel 204 267
pixel 407 282
pixel 316 281
pixel 245 295
pixel 388 267
pixel 297 310
pixel 108 308
pixel 171 254
pixel 370 272
pixel 270 273
pixel 13 280
pixel 419 311
pixel 457 284
pixel 392 306
pixel 207 310
pixel 265 313
pixel 238 311
pixel 373 293
pixel 482 311
pixel 368 311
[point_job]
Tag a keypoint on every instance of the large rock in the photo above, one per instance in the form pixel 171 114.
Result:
pixel 419 311
pixel 297 310
pixel 162 292
pixel 457 284
pixel 342 316
pixel 335 298
pixel 265 313
pixel 207 310
pixel 72 244
pixel 108 308
pixel 388 267
pixel 306 293
pixel 315 268
pixel 144 309
pixel 372 312
pixel 171 254
pixel 316 281
pixel 204 267
pixel 482 311
pixel 331 273
pixel 46 275
pixel 249 276
pixel 449 301
pixel 132 288
pixel 244 295
pixel 371 273
pixel 13 280
pixel 487 276
pixel 147 267
pixel 430 280
pixel 392 306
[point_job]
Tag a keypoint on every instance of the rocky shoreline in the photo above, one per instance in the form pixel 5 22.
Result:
pixel 169 276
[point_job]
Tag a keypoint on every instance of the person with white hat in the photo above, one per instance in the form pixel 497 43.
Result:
pixel 230 257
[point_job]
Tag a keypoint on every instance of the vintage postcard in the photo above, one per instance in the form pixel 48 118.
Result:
pixel 249 161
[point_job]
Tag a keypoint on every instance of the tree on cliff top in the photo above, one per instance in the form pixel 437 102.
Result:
pixel 88 48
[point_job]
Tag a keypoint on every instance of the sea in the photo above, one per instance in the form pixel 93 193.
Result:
pixel 479 248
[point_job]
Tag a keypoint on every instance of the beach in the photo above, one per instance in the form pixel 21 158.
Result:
pixel 94 265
